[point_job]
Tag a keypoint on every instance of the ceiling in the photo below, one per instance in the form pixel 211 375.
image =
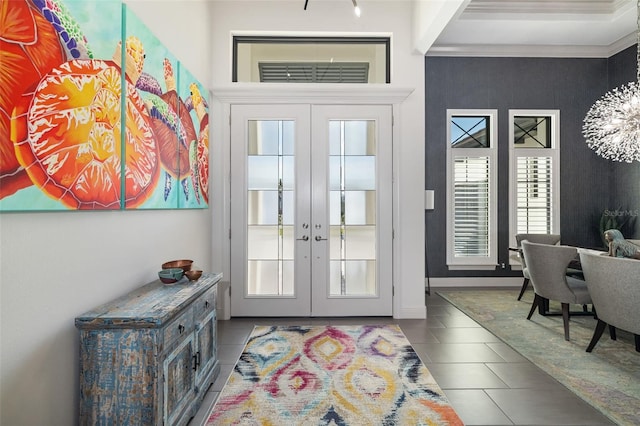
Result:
pixel 566 28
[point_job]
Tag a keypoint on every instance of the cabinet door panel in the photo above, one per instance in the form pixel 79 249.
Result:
pixel 178 380
pixel 206 339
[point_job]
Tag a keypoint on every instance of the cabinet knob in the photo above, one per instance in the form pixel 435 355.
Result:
pixel 180 328
pixel 206 304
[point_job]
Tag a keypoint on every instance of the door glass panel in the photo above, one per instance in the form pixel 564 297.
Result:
pixel 270 208
pixel 262 172
pixel 352 200
pixel 360 172
pixel 262 207
pixel 361 242
pixel 360 207
pixel 361 274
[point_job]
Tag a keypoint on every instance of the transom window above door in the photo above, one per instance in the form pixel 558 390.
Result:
pixel 269 59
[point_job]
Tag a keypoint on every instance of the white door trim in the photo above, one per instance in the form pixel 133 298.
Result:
pixel 334 94
pixel 246 93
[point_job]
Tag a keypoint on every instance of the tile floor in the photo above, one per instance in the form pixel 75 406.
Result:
pixel 486 381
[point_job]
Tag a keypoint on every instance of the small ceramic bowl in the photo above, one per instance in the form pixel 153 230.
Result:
pixel 193 275
pixel 170 275
pixel 184 264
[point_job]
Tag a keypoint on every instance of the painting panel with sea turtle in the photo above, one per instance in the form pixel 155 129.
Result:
pixel 64 124
pixel 171 123
pixel 195 95
pixel 35 36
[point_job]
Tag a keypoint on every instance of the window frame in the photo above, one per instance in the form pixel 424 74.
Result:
pixel 473 262
pixel 238 39
pixel 553 152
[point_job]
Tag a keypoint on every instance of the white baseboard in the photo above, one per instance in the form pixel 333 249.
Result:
pixel 475 282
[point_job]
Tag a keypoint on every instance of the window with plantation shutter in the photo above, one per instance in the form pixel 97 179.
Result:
pixel 471 189
pixel 534 202
pixel 533 195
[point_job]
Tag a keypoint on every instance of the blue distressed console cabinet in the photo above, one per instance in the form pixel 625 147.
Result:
pixel 148 357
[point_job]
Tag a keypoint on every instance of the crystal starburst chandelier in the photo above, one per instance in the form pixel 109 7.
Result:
pixel 612 125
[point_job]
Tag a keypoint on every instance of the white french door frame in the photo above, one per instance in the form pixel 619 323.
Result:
pixel 380 304
pixel 316 94
pixel 297 304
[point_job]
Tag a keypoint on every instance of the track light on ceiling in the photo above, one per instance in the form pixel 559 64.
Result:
pixel 356 9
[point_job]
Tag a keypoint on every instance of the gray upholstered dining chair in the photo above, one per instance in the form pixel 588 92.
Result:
pixel 614 285
pixel 534 238
pixel 547 266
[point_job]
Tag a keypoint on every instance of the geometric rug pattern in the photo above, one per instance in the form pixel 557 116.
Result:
pixel 331 375
pixel 608 378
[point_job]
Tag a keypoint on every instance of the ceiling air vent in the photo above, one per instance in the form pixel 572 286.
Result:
pixel 314 72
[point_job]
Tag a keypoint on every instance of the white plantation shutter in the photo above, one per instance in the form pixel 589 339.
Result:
pixel 471 206
pixel 534 201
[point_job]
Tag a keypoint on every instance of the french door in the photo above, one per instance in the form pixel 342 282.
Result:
pixel 311 203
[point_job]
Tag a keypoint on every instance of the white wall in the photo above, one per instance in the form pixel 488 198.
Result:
pixel 335 17
pixel 55 266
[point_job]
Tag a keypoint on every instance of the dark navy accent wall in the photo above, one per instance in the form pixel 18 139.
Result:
pixel 570 85
pixel 625 184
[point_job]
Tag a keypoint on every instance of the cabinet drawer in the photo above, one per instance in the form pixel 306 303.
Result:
pixel 205 304
pixel 179 327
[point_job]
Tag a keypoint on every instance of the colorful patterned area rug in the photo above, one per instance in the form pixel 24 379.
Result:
pixel 331 375
pixel 607 378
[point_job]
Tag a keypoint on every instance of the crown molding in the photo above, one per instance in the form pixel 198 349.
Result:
pixel 544 51
pixel 605 7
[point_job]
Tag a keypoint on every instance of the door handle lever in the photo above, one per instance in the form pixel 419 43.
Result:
pixel 304 238
pixel 319 238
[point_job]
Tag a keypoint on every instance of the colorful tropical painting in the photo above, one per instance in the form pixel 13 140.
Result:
pixel 76 133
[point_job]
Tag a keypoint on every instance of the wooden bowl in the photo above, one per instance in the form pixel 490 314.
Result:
pixel 185 264
pixel 193 275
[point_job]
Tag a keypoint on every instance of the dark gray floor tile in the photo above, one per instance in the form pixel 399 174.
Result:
pixel 523 375
pixel 421 350
pixel 465 376
pixel 202 415
pixel 506 352
pixel 443 310
pixel 464 335
pixel 453 321
pixel 419 335
pixel 549 407
pixel 475 408
pixel 221 380
pixel 412 323
pixel 229 354
pixel 461 352
pixel 232 336
pixel 435 299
